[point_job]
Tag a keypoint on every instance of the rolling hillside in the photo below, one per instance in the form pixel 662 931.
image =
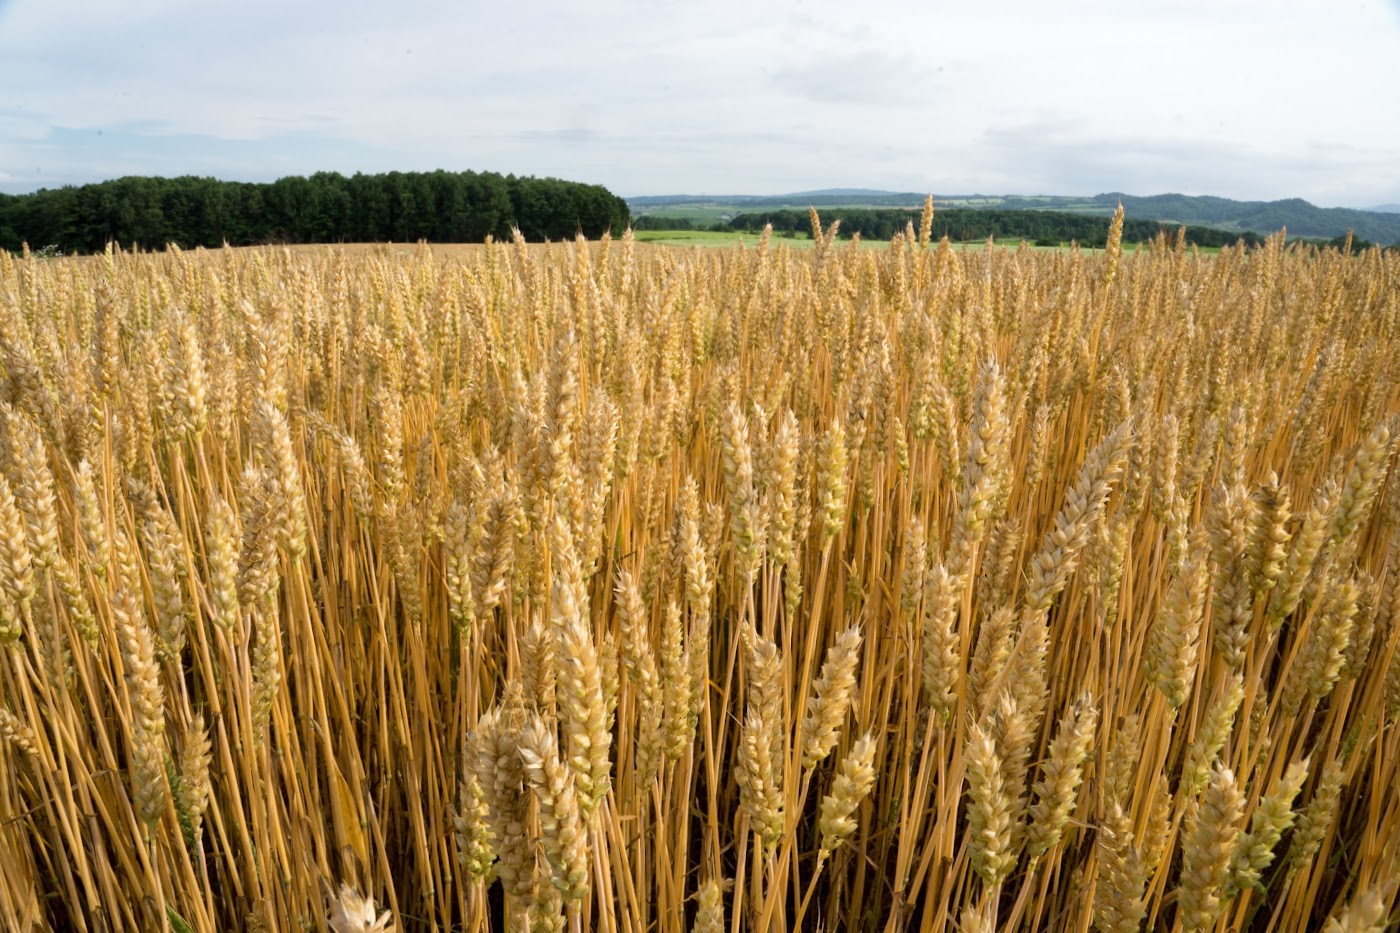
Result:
pixel 1300 217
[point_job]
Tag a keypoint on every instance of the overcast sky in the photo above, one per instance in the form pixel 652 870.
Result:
pixel 1256 99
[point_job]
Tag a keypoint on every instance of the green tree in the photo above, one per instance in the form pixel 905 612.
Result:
pixel 326 207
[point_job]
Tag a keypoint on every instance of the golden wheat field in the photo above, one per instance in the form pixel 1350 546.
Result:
pixel 603 587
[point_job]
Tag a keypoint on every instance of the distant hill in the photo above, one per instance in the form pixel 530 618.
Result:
pixel 1301 218
pixel 850 193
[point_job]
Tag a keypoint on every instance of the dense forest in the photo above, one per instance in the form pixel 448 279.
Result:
pixel 441 207
pixel 970 224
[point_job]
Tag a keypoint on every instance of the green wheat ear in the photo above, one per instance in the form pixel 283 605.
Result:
pixel 182 807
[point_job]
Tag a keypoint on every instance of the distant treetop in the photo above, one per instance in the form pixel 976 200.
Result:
pixel 441 207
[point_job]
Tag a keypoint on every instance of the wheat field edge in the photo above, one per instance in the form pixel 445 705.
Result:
pixel 598 586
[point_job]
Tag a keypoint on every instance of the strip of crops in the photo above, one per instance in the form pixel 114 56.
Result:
pixel 597 586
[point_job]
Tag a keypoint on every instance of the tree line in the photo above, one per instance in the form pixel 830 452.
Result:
pixel 327 207
pixel 964 224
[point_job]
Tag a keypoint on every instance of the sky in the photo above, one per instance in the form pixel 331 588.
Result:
pixel 1236 98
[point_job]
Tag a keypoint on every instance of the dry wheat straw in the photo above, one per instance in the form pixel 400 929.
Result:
pixel 282 529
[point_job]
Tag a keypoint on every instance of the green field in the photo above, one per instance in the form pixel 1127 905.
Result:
pixel 707 212
pixel 699 214
pixel 1301 219
pixel 737 238
pixel 696 238
pixel 803 241
pixel 712 212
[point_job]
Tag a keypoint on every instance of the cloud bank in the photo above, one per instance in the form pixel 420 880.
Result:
pixel 1245 99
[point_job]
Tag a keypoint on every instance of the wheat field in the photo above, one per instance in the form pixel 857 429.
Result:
pixel 596 586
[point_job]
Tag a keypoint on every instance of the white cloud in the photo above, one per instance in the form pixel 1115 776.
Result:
pixel 1249 99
